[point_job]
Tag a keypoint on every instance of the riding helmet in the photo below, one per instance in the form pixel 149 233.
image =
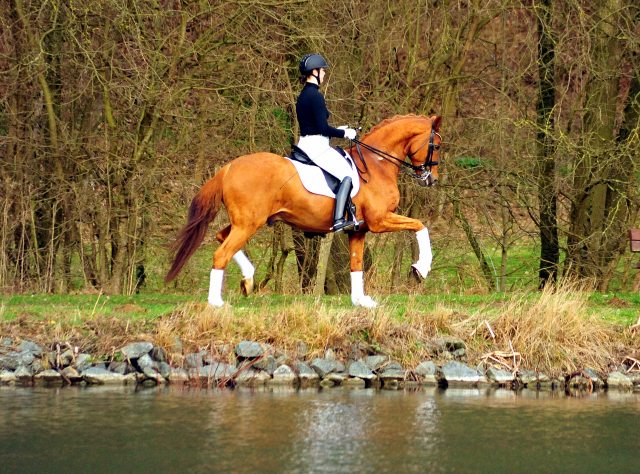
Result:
pixel 311 62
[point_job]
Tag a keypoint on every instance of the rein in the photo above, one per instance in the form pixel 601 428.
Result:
pixel 407 168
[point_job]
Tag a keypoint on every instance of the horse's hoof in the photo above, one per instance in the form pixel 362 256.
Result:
pixel 421 269
pixel 366 302
pixel 246 286
pixel 216 303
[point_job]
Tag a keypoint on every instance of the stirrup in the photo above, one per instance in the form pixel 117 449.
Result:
pixel 342 225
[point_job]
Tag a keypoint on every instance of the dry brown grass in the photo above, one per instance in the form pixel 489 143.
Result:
pixel 552 331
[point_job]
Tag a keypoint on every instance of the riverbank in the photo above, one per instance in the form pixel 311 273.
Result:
pixel 540 339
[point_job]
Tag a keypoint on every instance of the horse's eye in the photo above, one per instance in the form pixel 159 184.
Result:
pixel 437 147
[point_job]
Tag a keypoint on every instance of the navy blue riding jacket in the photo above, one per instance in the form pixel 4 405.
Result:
pixel 313 114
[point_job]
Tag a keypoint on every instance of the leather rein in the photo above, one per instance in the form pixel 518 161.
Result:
pixel 407 168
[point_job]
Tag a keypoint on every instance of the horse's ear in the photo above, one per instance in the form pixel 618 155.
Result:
pixel 437 121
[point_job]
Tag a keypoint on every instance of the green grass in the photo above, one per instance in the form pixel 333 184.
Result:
pixel 151 306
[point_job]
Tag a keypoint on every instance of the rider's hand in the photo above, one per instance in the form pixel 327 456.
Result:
pixel 349 133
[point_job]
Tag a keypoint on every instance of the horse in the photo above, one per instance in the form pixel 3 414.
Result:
pixel 262 188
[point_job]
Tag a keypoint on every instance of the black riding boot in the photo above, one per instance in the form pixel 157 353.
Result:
pixel 340 224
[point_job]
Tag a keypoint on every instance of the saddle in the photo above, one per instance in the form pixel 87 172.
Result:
pixel 297 154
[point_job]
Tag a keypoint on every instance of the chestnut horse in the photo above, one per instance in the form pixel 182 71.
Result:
pixel 262 188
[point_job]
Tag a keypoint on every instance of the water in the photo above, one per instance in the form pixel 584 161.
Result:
pixel 114 430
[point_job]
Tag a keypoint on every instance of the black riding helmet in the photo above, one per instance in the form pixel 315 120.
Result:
pixel 311 62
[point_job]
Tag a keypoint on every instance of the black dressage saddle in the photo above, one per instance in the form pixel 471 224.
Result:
pixel 299 155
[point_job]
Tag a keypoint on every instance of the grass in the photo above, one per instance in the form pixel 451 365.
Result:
pixel 553 332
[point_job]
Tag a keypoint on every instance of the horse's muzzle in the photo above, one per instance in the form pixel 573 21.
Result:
pixel 430 181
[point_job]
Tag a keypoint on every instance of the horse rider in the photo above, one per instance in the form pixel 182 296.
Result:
pixel 315 133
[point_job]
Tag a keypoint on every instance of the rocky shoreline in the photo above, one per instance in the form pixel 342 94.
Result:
pixel 250 363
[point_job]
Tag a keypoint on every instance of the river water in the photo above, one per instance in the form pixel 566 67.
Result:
pixel 118 430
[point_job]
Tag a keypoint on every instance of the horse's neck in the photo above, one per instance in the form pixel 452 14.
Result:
pixel 394 143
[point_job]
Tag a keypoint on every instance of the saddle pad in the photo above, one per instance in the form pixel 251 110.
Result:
pixel 314 181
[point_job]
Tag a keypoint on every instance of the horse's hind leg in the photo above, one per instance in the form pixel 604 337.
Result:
pixel 234 240
pixel 246 267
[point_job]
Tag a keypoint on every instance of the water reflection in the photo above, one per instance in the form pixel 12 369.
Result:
pixel 107 429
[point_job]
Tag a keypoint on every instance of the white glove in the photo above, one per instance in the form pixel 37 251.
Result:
pixel 343 127
pixel 349 133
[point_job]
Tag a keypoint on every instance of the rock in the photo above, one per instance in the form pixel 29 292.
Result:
pixel 215 372
pixel 338 366
pixel 252 377
pixel 543 378
pixel 337 377
pixel 13 361
pixel 306 373
pixel 268 364
pixel 360 370
pixel 49 376
pixel 151 373
pixel 249 350
pixel 136 350
pixel 458 353
pixel 354 352
pixel 23 374
pixel 95 375
pixel 322 366
pixel 455 372
pixel 147 362
pixel 36 367
pixel 453 345
pixel 284 375
pixel 330 355
pixel 194 360
pixel 5 341
pixel 425 369
pixel 282 359
pixel 121 368
pixel 7 376
pixel 28 346
pixel 302 349
pixel 83 362
pixel 354 383
pixel 391 366
pixel 178 375
pixel 326 383
pixel 426 372
pixel 164 369
pixel 158 354
pixel 593 375
pixel 374 362
pixel 619 380
pixel 71 374
pixel 66 357
pixel 391 373
pixel 499 376
pixel 527 377
pixel 130 379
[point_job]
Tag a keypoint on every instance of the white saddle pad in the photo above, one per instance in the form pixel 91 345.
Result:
pixel 313 179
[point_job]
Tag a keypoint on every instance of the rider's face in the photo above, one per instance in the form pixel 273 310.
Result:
pixel 322 73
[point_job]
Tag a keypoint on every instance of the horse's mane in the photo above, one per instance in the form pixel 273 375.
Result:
pixel 386 122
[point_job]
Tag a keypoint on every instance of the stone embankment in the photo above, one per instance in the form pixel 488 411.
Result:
pixel 254 364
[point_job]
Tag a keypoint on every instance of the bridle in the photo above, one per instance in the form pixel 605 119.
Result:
pixel 407 168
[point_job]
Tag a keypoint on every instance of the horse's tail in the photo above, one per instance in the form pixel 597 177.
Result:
pixel 204 207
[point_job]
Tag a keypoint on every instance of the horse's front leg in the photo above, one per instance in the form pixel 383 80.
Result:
pixel 356 249
pixel 391 222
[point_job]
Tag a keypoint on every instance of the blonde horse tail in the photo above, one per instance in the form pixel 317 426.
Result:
pixel 204 207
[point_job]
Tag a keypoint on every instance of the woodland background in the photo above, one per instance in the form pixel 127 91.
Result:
pixel 113 113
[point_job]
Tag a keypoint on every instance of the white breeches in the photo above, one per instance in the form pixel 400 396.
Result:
pixel 318 149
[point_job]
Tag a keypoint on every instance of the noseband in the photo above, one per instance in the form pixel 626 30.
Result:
pixel 407 168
